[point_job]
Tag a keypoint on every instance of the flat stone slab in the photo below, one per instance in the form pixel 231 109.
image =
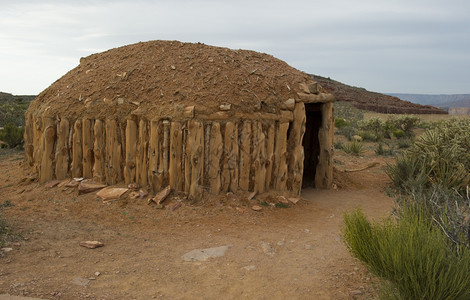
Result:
pixel 205 254
pixel 110 193
pixel 80 281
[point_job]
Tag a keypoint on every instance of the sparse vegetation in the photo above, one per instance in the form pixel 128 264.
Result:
pixel 12 135
pixel 411 253
pixel 354 147
pixel 439 156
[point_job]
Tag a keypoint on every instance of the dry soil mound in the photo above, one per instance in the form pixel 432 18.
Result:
pixel 160 78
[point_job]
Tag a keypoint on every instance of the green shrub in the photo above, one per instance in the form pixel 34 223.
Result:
pixel 12 135
pixel 405 143
pixel 398 133
pixel 374 125
pixel 406 123
pixel 348 112
pixel 369 136
pixel 347 131
pixel 381 150
pixel 354 147
pixel 441 155
pixel 340 123
pixel 338 145
pixel 411 253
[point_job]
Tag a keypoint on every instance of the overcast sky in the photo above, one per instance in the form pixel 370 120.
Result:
pixel 402 46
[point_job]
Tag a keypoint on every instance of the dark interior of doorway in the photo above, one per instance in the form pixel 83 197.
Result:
pixel 311 143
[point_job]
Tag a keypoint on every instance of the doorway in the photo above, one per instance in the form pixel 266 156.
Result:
pixel 311 143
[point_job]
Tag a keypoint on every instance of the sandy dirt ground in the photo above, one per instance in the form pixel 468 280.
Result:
pixel 275 253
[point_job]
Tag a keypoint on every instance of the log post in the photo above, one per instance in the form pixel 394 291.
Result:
pixel 166 149
pixel 324 172
pixel 113 153
pixel 142 153
pixel 37 143
pixel 259 158
pixel 77 154
pixel 230 165
pixel 176 156
pixel 87 149
pixel 62 158
pixel 131 149
pixel 245 156
pixel 195 149
pixel 296 157
pixel 99 151
pixel 215 153
pixel 269 155
pixel 155 173
pixel 46 172
pixel 280 157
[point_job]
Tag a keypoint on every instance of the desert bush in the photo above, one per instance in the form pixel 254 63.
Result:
pixel 354 147
pixel 12 135
pixel 369 136
pixel 381 150
pixel 374 125
pixel 338 145
pixel 446 208
pixel 405 143
pixel 348 112
pixel 347 131
pixel 440 155
pixel 340 123
pixel 411 253
pixel 406 123
pixel 398 133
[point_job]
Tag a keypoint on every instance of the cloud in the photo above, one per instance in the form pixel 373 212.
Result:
pixel 381 45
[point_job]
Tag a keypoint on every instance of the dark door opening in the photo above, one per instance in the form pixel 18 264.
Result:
pixel 311 143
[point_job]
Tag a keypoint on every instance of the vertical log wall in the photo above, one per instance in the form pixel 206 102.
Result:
pixel 248 152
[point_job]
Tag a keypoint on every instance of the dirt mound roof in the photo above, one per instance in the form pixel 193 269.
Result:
pixel 160 78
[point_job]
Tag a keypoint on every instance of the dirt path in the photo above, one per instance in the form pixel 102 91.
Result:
pixel 278 253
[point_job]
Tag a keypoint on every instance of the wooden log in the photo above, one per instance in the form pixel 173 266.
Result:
pixel 142 154
pixel 46 172
pixel 324 172
pixel 113 153
pixel 166 147
pixel 155 168
pixel 77 150
pixel 28 139
pixel 195 156
pixel 245 156
pixel 87 147
pixel 311 98
pixel 259 158
pixel 176 156
pixel 280 157
pixel 230 163
pixel 37 143
pixel 62 157
pixel 269 155
pixel 215 154
pixel 224 115
pixel 99 151
pixel 296 156
pixel 131 151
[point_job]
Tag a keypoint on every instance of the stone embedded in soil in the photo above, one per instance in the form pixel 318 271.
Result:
pixel 293 200
pixel 251 196
pixel 7 249
pixel 89 186
pixel 282 200
pixel 109 193
pixel 80 281
pixel 205 254
pixel 267 248
pixel 91 244
pixel 174 206
pixel 256 208
pixel 52 184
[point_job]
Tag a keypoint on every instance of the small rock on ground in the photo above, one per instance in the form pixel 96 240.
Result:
pixel 205 254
